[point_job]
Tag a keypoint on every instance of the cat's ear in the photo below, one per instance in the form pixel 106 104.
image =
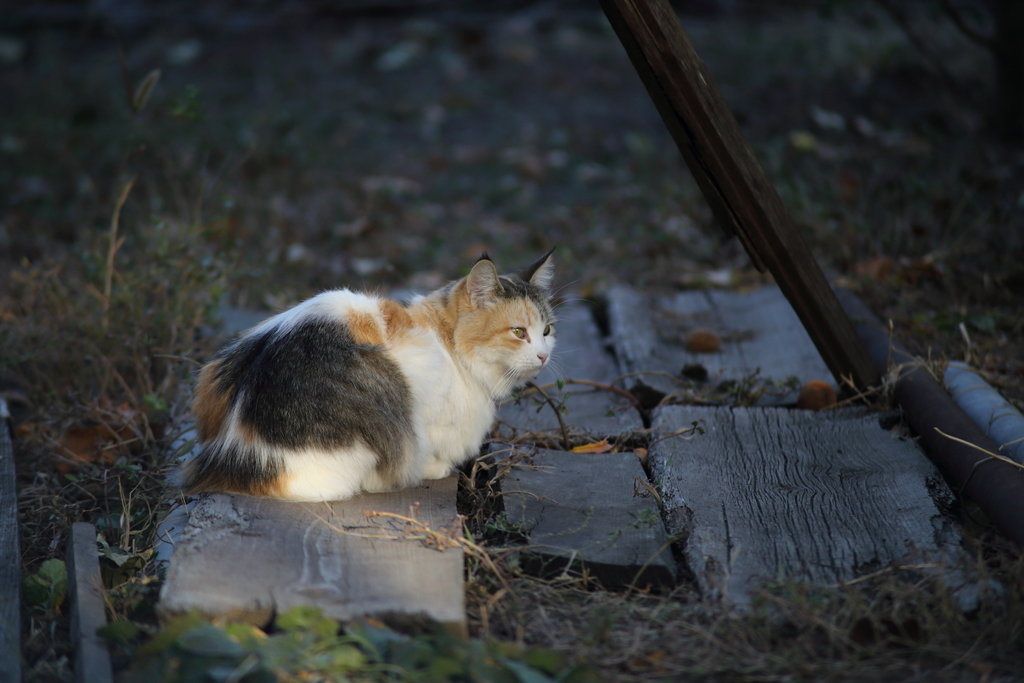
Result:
pixel 482 283
pixel 540 273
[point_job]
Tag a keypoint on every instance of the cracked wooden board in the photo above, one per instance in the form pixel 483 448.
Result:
pixel 766 494
pixel 759 331
pixel 592 510
pixel 251 557
pixel 590 412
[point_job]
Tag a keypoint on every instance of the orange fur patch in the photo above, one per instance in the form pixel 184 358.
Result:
pixel 246 431
pixel 219 483
pixel 364 328
pixel 397 319
pixel 271 489
pixel 492 326
pixel 211 403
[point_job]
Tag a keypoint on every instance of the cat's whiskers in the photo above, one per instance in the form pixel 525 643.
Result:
pixel 503 387
pixel 555 368
pixel 556 295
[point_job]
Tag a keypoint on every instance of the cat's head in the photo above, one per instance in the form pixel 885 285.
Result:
pixel 505 332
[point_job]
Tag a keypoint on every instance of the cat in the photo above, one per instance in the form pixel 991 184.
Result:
pixel 350 392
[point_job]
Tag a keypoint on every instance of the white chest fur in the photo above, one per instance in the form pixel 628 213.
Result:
pixel 452 411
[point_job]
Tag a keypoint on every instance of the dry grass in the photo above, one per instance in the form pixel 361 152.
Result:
pixel 898 624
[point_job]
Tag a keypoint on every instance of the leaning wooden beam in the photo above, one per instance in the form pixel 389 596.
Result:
pixel 733 182
pixel 10 560
pixel 88 613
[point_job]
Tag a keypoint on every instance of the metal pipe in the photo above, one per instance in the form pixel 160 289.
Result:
pixel 996 486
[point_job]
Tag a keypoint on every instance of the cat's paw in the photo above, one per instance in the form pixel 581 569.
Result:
pixel 435 469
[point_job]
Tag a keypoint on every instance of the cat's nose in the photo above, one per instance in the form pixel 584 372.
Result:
pixel 543 357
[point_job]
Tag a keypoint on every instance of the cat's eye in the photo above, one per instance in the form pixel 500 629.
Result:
pixel 519 332
pixel 547 330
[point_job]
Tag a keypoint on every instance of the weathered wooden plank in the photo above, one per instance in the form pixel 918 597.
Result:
pixel 590 412
pixel 88 612
pixel 765 493
pixel 251 557
pixel 10 559
pixel 758 329
pixel 729 175
pixel 589 509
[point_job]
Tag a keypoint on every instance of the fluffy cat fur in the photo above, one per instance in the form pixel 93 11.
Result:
pixel 350 392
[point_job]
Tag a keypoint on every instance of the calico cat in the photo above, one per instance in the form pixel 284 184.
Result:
pixel 350 392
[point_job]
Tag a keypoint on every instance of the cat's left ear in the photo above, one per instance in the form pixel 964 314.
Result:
pixel 482 283
pixel 540 273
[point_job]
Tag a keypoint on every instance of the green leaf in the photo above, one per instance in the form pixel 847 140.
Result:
pixel 340 659
pixel 309 619
pixel 54 571
pixel 171 632
pixel 120 631
pixel 546 660
pixel 48 587
pixel 525 674
pixel 247 635
pixel 210 641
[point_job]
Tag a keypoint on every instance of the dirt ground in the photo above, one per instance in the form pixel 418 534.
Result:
pixel 160 160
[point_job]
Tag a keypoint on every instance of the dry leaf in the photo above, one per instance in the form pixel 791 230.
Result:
pixel 816 395
pixel 703 341
pixel 879 268
pixel 601 446
pixel 82 445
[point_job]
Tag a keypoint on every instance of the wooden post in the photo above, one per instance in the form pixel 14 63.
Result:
pixel 88 613
pixel 10 560
pixel 733 182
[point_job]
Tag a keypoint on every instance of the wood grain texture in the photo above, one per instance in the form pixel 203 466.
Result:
pixel 586 509
pixel 579 354
pixel 730 177
pixel 88 612
pixel 768 494
pixel 253 557
pixel 10 559
pixel 759 331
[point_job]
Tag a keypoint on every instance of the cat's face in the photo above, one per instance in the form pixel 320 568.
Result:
pixel 507 332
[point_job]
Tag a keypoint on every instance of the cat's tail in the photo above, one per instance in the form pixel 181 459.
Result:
pixel 231 467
